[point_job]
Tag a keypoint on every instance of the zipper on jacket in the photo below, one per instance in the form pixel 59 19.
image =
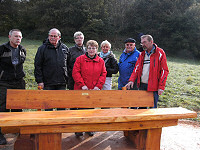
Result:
pixel 13 65
pixel 1 74
pixel 57 62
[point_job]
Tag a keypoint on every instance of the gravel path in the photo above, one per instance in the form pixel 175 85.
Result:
pixel 185 136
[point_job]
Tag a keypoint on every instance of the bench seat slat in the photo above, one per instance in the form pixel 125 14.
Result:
pixel 45 99
pixel 92 116
pixel 124 126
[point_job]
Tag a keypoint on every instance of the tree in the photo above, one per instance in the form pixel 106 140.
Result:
pixel 8 16
pixel 173 23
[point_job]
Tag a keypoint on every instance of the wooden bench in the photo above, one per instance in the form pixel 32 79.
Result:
pixel 46 127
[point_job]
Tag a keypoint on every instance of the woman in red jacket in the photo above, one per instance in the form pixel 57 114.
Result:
pixel 89 72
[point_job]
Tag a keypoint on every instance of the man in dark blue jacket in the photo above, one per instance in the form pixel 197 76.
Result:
pixel 12 57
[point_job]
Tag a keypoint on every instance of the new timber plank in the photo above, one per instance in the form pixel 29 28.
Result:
pixel 98 127
pixel 44 99
pixel 92 116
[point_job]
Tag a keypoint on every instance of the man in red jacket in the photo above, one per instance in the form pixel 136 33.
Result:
pixel 151 69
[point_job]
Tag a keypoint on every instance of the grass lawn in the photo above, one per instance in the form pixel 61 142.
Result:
pixel 182 88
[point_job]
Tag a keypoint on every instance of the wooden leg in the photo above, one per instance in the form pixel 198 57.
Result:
pixel 49 141
pixel 24 142
pixel 149 139
pixel 133 136
pixel 126 133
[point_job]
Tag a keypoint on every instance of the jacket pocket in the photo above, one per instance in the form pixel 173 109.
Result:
pixel 132 62
pixel 22 56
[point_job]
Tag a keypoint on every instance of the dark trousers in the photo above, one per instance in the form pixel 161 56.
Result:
pixel 4 85
pixel 144 86
pixel 55 87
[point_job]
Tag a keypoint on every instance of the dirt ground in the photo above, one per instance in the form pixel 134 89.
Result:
pixel 184 136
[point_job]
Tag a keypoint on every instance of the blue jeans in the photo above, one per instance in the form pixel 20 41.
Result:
pixel 156 97
pixel 144 86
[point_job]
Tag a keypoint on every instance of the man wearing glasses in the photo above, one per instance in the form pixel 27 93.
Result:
pixel 151 69
pixel 127 62
pixel 51 68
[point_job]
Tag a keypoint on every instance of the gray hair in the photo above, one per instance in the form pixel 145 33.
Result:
pixel 11 31
pixel 59 34
pixel 78 33
pixel 149 37
pixel 106 42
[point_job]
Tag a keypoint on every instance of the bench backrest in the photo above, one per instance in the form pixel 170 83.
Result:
pixel 45 99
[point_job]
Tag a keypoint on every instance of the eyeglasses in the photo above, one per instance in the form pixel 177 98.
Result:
pixel 55 36
pixel 92 48
pixel 79 38
pixel 129 44
pixel 144 42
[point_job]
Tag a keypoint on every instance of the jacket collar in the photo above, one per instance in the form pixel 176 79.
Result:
pixel 79 47
pixel 46 42
pixel 130 52
pixel 151 52
pixel 155 49
pixel 7 45
pixel 96 59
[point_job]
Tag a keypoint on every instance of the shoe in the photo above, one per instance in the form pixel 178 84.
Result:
pixel 90 133
pixel 78 134
pixel 2 140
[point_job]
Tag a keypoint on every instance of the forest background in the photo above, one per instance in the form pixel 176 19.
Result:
pixel 174 24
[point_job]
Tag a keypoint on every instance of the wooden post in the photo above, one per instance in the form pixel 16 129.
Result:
pixel 131 135
pixel 149 139
pixel 124 88
pixel 126 133
pixel 24 142
pixel 39 88
pixel 49 141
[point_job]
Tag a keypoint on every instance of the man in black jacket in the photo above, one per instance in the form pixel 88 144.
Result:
pixel 51 67
pixel 75 52
pixel 12 57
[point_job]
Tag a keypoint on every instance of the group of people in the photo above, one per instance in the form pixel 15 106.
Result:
pixel 58 67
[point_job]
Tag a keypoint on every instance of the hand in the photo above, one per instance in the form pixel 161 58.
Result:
pixel 129 85
pixel 41 85
pixel 160 91
pixel 96 88
pixel 84 87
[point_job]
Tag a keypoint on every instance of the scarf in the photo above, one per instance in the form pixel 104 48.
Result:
pixel 102 55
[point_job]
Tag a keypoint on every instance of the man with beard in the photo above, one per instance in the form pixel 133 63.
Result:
pixel 151 69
